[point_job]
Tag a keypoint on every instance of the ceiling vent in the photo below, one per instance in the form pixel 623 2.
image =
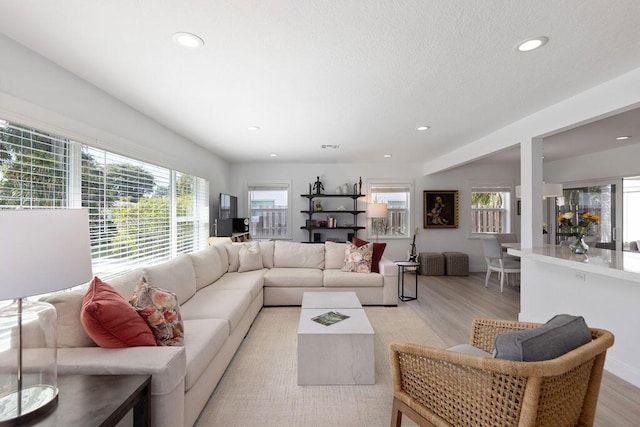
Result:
pixel 330 146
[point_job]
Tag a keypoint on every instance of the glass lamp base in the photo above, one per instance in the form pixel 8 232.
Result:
pixel 36 400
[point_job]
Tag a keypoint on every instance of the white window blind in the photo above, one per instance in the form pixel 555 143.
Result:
pixel 33 168
pixel 139 213
pixel 269 210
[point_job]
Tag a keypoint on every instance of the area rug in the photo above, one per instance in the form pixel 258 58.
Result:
pixel 260 387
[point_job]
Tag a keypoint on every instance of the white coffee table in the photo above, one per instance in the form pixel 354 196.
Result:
pixel 341 353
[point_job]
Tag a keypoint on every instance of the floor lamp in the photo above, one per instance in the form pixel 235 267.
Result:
pixel 41 251
pixel 378 214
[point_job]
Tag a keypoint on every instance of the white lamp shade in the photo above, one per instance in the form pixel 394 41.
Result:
pixel 43 251
pixel 376 210
pixel 552 190
pixel 548 190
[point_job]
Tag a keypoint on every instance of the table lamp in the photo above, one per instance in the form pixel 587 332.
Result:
pixel 41 251
pixel 378 214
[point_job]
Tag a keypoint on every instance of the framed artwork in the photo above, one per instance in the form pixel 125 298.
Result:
pixel 440 209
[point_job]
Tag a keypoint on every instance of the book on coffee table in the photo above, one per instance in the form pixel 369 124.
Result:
pixel 329 318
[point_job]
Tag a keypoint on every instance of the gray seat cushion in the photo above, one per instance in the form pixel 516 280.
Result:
pixel 558 336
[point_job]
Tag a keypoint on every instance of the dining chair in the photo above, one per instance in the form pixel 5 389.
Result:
pixel 498 261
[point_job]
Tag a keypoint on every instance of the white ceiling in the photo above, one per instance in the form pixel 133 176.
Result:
pixel 361 74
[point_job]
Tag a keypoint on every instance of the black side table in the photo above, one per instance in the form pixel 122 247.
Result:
pixel 402 266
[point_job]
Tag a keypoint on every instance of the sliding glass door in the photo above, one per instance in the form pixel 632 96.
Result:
pixel 596 199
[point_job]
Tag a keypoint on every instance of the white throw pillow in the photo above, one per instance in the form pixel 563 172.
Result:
pixel 233 252
pixel 250 258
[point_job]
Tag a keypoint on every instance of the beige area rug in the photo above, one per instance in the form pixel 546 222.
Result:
pixel 260 387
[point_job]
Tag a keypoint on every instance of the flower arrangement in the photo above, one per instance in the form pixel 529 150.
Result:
pixel 581 227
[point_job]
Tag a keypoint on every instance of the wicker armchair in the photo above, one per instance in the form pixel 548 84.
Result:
pixel 437 387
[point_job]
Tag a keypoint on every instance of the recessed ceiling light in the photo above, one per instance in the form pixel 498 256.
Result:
pixel 423 128
pixel 187 40
pixel 254 128
pixel 330 146
pixel 622 138
pixel 532 44
pixel 273 155
pixel 386 156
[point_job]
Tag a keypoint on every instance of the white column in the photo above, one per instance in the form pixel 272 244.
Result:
pixel 531 192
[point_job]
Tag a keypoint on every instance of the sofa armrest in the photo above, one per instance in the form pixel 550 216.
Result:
pixel 387 267
pixel 167 365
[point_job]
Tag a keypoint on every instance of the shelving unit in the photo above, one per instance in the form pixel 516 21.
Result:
pixel 355 212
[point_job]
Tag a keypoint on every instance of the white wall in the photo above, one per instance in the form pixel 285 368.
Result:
pixel 36 92
pixel 332 175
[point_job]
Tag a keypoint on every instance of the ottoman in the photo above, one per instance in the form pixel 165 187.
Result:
pixel 456 263
pixel 431 264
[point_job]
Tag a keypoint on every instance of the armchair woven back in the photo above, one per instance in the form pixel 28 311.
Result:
pixel 444 388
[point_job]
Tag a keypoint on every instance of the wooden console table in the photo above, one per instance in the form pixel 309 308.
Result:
pixel 99 400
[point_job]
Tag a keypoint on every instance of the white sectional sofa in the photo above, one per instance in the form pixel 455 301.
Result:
pixel 218 304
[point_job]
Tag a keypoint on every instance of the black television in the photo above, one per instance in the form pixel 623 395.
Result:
pixel 228 206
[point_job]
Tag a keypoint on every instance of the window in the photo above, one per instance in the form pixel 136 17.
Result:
pixel 630 213
pixel 397 196
pixel 490 209
pixel 269 210
pixel 139 213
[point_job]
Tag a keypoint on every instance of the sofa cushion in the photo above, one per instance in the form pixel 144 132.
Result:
pixel 213 303
pixel 167 365
pixel 207 266
pixel 176 275
pixel 293 277
pixel 298 255
pixel 126 284
pixel 203 339
pixel 160 309
pixel 334 254
pixel 357 259
pixel 110 321
pixel 267 249
pixel 469 349
pixel 343 279
pixel 69 330
pixel 233 254
pixel 224 256
pixel 252 281
pixel 250 258
pixel 558 336
pixel 378 251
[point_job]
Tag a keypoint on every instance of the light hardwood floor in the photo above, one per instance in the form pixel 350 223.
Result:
pixel 449 304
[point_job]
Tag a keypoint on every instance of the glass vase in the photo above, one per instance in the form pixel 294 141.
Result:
pixel 579 246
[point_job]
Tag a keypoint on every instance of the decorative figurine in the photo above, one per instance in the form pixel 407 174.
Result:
pixel 360 186
pixel 318 206
pixel 318 187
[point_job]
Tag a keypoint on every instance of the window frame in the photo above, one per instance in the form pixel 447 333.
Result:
pixel 406 184
pixel 78 193
pixel 279 185
pixel 508 206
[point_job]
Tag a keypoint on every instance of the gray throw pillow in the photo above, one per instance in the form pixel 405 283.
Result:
pixel 558 336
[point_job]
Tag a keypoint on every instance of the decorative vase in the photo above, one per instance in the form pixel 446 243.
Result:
pixel 579 246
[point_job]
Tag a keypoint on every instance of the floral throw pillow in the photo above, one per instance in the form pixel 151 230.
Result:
pixel 160 309
pixel 358 259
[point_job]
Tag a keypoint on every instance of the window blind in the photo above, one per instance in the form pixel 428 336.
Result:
pixel 139 213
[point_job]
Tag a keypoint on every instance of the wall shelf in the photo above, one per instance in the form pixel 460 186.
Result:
pixel 355 212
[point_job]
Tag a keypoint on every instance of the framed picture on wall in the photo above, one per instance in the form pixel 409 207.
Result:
pixel 440 209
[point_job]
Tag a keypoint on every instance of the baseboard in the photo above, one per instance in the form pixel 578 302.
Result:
pixel 622 370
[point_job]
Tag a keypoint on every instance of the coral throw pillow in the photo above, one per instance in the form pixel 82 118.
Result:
pixel 358 259
pixel 378 250
pixel 110 320
pixel 160 309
